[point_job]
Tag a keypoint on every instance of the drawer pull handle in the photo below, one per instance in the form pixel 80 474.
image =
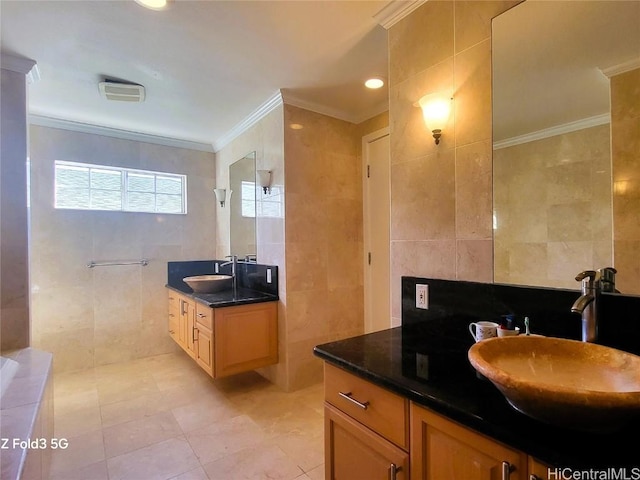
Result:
pixel 201 315
pixel 362 405
pixel 393 471
pixel 533 476
pixel 507 468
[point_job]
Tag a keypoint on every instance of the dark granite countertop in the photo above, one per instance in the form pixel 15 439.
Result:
pixel 227 298
pixel 450 386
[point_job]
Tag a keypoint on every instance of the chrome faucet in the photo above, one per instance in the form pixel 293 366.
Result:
pixel 593 283
pixel 586 305
pixel 234 264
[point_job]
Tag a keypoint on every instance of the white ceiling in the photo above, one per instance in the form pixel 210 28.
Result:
pixel 206 65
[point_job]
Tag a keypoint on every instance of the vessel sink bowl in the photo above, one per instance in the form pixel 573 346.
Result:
pixel 563 382
pixel 209 283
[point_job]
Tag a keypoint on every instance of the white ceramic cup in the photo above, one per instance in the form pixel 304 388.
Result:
pixel 483 330
pixel 508 333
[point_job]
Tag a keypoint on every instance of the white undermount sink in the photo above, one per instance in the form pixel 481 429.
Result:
pixel 574 384
pixel 209 283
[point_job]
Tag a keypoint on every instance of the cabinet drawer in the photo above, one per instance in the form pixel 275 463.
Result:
pixel 204 316
pixel 377 408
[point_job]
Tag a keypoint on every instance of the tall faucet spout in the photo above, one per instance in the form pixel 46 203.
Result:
pixel 582 302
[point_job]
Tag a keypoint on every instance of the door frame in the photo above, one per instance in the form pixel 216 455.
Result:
pixel 366 141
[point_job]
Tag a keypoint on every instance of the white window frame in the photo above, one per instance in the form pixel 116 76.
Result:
pixel 123 187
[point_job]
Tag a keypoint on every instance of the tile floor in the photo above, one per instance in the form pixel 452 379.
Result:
pixel 164 418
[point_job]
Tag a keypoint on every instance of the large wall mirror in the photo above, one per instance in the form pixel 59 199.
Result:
pixel 242 204
pixel 566 132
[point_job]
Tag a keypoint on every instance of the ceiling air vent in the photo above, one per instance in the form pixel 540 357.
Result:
pixel 121 92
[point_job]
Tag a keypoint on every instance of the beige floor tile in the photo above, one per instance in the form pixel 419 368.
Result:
pixel 160 461
pixel 196 474
pixel 125 387
pixel 200 414
pixel 72 402
pixel 224 438
pixel 77 422
pixel 82 451
pixel 126 437
pixel 69 383
pixel 263 461
pixel 306 449
pixel 146 405
pixel 317 473
pixel 95 471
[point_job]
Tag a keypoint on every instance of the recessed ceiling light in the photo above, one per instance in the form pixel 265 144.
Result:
pixel 153 4
pixel 373 83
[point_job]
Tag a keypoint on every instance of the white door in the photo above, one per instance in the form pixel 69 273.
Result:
pixel 377 204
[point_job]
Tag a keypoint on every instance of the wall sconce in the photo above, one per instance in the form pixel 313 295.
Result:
pixel 264 178
pixel 436 108
pixel 221 195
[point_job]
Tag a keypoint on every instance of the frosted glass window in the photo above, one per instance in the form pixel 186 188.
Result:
pixel 97 187
pixel 248 195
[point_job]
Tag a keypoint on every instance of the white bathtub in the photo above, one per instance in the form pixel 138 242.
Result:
pixel 8 369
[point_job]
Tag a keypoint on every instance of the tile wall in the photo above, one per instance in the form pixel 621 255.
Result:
pixel 441 198
pixel 14 216
pixel 91 317
pixel 552 206
pixel 317 245
pixel 625 139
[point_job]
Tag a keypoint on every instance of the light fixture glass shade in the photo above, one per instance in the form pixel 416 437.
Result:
pixel 436 109
pixel 264 179
pixel 374 83
pixel 153 4
pixel 221 195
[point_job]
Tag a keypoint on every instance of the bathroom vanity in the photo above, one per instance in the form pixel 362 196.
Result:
pixel 224 340
pixel 406 403
pixel 227 332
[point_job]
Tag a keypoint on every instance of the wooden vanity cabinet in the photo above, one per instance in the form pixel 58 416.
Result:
pixel 228 340
pixel 372 433
pixel 366 429
pixel 442 449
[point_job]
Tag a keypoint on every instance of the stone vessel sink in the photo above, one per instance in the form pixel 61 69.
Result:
pixel 209 283
pixel 563 382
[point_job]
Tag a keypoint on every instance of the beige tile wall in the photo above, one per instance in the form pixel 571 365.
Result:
pixel 14 255
pixel 323 237
pixel 441 200
pixel 266 138
pixel 318 245
pixel 552 203
pixel 90 317
pixel 625 144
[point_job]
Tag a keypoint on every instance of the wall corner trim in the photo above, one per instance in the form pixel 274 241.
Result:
pixel 22 65
pixel 258 114
pixel 395 11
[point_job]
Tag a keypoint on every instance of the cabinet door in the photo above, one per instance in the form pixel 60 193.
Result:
pixel 174 313
pixel 186 327
pixel 353 452
pixel 245 338
pixel 537 470
pixel 444 450
pixel 204 348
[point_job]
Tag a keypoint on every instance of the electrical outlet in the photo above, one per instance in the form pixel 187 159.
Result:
pixel 422 296
pixel 217 268
pixel 268 275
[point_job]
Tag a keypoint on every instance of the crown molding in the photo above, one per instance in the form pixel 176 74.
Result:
pixel 395 11
pixel 290 99
pixel 262 111
pixel 627 66
pixel 51 122
pixel 25 66
pixel 553 131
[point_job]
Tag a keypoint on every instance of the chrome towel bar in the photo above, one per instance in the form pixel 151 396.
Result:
pixel 92 263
